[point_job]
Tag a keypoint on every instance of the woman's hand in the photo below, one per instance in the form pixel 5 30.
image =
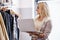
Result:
pixel 41 35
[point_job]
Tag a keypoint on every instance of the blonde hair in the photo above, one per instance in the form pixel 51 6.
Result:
pixel 44 8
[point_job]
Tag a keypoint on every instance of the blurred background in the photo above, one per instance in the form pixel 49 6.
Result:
pixel 26 8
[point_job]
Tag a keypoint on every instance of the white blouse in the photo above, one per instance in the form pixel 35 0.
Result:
pixel 39 24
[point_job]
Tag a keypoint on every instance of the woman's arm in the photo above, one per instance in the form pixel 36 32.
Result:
pixel 47 30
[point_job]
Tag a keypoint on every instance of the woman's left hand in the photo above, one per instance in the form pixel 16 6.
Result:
pixel 41 35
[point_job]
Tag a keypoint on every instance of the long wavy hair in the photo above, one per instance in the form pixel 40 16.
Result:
pixel 44 8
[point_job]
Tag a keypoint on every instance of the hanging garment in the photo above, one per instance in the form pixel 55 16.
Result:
pixel 11 25
pixel 1 34
pixel 3 31
pixel 8 20
pixel 16 30
pixel 16 17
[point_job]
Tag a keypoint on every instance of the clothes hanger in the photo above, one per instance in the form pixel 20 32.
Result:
pixel 5 8
pixel 13 13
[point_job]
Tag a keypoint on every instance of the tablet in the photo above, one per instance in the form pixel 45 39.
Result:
pixel 26 25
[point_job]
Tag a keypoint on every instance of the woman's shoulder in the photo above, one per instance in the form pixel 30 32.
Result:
pixel 47 19
pixel 48 23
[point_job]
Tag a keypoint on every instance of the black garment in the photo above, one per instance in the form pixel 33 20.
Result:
pixel 11 19
pixel 18 33
pixel 8 20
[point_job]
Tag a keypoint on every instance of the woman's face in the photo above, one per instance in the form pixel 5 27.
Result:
pixel 38 9
pixel 41 10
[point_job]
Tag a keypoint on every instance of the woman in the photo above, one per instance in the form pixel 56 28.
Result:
pixel 42 21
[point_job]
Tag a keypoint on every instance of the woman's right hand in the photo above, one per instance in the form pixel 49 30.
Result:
pixel 41 35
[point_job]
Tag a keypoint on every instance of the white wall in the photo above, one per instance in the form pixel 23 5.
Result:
pixel 26 13
pixel 25 3
pixel 25 8
pixel 54 7
pixel 22 3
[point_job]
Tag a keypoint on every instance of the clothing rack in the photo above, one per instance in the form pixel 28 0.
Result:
pixel 8 19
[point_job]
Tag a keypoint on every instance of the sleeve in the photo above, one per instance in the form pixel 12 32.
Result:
pixel 47 29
